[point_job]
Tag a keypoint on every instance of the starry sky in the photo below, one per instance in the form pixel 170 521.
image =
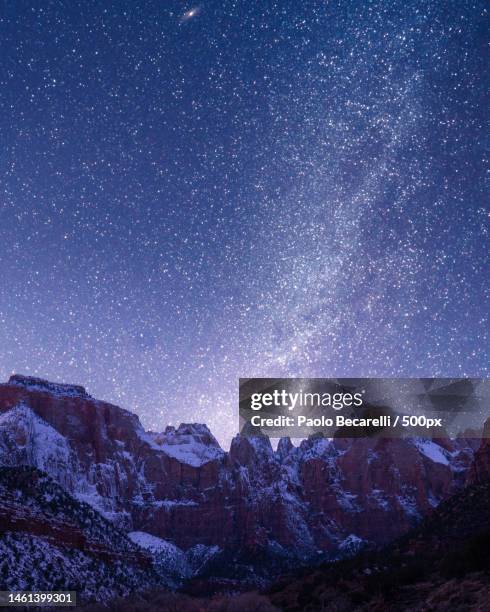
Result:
pixel 193 193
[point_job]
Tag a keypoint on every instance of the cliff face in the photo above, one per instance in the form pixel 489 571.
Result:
pixel 480 469
pixel 296 503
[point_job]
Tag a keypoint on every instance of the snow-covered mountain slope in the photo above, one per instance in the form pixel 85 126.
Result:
pixel 294 505
pixel 49 540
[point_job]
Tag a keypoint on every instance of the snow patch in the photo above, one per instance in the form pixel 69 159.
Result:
pixel 347 501
pixel 351 545
pixel 409 505
pixel 380 498
pixel 151 542
pixel 432 451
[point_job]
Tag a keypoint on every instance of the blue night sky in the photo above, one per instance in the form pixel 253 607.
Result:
pixel 194 193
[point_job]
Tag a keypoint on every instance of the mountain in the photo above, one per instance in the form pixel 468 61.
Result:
pixel 225 518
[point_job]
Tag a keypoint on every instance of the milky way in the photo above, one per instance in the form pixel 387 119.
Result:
pixel 194 193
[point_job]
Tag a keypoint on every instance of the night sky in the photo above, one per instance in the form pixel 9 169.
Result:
pixel 194 193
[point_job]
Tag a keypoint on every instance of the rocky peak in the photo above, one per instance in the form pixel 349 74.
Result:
pixel 191 443
pixel 39 384
pixel 284 447
pixel 250 450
